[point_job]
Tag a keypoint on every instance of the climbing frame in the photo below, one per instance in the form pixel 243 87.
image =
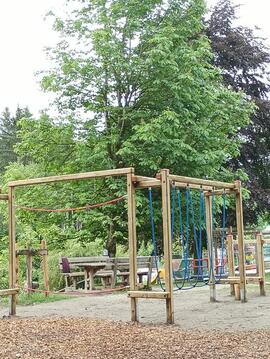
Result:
pixel 163 181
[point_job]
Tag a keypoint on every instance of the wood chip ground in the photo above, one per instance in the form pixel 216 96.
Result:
pixel 85 338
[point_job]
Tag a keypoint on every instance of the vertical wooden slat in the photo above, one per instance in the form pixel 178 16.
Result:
pixel 17 263
pixel 29 271
pixel 240 238
pixel 132 244
pixel 43 245
pixel 210 245
pixel 260 262
pixel 230 258
pixel 12 248
pixel 166 216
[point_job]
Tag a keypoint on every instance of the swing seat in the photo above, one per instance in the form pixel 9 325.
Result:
pixel 160 274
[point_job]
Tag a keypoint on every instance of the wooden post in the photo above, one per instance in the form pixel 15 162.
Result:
pixel 230 258
pixel 237 291
pixel 260 262
pixel 17 267
pixel 132 244
pixel 43 245
pixel 240 238
pixel 29 271
pixel 12 249
pixel 210 245
pixel 167 243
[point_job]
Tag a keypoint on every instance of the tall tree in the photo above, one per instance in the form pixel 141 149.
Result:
pixel 8 135
pixel 244 61
pixel 142 73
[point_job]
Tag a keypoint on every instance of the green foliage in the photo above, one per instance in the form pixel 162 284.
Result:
pixel 243 58
pixel 8 135
pixel 141 72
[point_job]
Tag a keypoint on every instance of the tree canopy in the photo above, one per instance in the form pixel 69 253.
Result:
pixel 244 59
pixel 136 86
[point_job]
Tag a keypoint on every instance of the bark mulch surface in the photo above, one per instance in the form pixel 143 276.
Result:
pixel 87 338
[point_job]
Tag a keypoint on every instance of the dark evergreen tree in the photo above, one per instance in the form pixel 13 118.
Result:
pixel 8 135
pixel 244 61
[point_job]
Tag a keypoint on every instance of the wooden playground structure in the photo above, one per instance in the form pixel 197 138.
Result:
pixel 29 253
pixel 163 181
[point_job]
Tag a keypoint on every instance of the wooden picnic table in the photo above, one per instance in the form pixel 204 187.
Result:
pixel 90 270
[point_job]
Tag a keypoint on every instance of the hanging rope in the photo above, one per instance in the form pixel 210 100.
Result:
pixel 74 209
pixel 153 236
pixel 211 255
pixel 173 195
pixel 198 241
pixel 223 233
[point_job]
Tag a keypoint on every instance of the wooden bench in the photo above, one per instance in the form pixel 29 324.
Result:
pixel 144 268
pixel 115 268
pixel 69 266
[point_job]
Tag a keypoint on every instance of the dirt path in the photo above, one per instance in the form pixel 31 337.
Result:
pixel 192 310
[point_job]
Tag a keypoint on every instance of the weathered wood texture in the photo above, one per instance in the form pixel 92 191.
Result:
pixel 230 257
pixel 202 182
pixel 260 262
pixel 166 216
pixel 132 244
pixel 150 294
pixel 12 249
pixel 72 177
pixel 240 238
pixel 44 264
pixel 210 248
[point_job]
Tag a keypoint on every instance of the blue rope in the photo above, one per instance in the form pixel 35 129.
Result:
pixel 153 235
pixel 201 223
pixel 172 230
pixel 181 231
pixel 223 235
pixel 211 254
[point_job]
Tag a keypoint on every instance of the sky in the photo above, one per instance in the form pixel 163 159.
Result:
pixel 24 34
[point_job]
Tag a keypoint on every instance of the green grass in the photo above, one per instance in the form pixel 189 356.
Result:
pixel 34 298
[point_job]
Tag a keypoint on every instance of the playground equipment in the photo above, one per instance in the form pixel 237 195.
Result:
pixel 163 181
pixel 30 253
pixel 189 271
pixel 258 266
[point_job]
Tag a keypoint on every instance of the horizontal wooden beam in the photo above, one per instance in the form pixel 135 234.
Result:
pixel 142 178
pixel 192 186
pixel 9 291
pixel 254 279
pixel 219 193
pixel 148 184
pixel 32 252
pixel 71 177
pixel 201 182
pixel 236 280
pixel 149 294
pixel 3 197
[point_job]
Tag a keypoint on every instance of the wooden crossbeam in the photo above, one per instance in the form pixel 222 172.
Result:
pixel 148 184
pixel 235 280
pixel 9 291
pixel 32 252
pixel 201 182
pixel 71 177
pixel 219 192
pixel 148 294
pixel 192 186
pixel 3 197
